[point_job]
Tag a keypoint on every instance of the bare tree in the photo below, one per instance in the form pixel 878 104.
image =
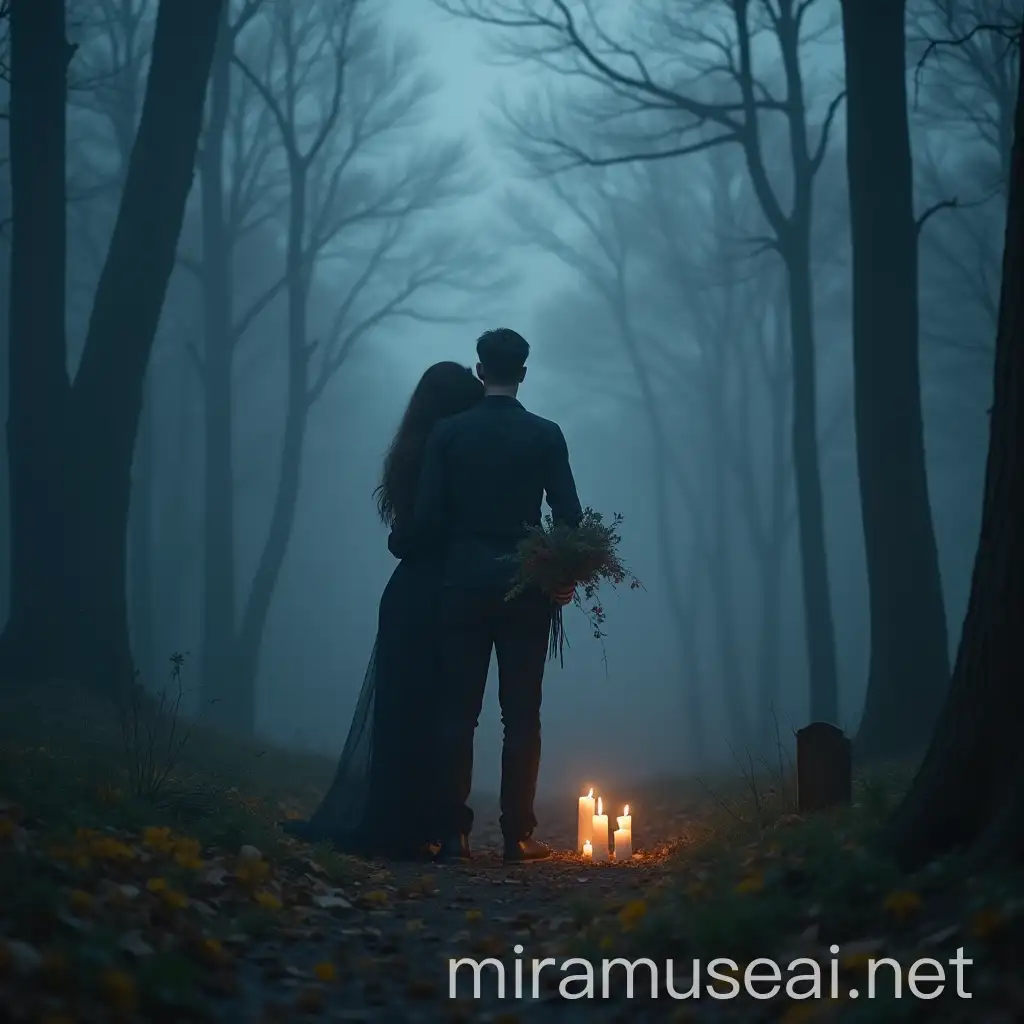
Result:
pixel 969 792
pixel 238 192
pixel 106 95
pixel 637 78
pixel 36 375
pixel 598 246
pixel 967 69
pixel 71 444
pixel 364 202
pixel 657 258
pixel 909 666
pixel 734 308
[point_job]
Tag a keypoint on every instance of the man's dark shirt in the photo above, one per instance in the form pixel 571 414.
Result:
pixel 485 472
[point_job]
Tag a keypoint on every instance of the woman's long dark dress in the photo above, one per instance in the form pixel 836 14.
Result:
pixel 381 802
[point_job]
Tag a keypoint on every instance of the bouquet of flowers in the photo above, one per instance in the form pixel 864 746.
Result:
pixel 553 557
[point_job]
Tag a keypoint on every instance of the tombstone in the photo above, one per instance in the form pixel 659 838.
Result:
pixel 824 767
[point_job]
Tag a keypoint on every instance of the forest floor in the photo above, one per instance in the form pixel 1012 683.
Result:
pixel 127 896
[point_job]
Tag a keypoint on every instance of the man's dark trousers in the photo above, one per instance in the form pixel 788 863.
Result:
pixel 473 621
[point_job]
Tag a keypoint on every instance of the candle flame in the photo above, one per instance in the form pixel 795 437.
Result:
pixel 625 811
pixel 599 809
pixel 590 795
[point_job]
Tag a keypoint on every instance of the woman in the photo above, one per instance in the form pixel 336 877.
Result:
pixel 379 803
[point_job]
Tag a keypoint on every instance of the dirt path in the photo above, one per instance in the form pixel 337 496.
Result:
pixel 389 951
pixel 392 962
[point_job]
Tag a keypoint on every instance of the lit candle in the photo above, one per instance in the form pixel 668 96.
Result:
pixel 588 850
pixel 624 836
pixel 600 838
pixel 585 825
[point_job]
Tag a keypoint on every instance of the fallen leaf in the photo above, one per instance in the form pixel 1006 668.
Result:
pixel 310 1000
pixel 25 959
pixel 214 875
pixel 941 936
pixel 135 944
pixel 329 901
pixel 421 989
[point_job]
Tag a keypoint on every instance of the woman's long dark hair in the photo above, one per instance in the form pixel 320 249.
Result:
pixel 444 389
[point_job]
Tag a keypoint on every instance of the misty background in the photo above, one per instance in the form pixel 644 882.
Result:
pixel 659 333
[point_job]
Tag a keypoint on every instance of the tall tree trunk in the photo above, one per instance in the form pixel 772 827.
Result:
pixel 257 608
pixel 909 669
pixel 771 564
pixel 686 624
pixel 666 467
pixel 682 607
pixel 106 399
pixel 142 547
pixel 969 791
pixel 5 512
pixel 31 647
pixel 219 600
pixel 817 598
pixel 775 536
pixel 177 543
pixel 719 575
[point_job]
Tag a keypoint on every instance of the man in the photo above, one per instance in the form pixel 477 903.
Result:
pixel 484 475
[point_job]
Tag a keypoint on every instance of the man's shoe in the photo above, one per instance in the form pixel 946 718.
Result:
pixel 526 850
pixel 455 848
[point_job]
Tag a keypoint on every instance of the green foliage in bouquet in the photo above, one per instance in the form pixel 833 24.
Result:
pixel 553 557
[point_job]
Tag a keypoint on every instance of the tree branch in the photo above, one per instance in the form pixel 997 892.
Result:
pixel 943 204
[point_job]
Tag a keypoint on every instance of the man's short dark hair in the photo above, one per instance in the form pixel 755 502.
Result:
pixel 502 354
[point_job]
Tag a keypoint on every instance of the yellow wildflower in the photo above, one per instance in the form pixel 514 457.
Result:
pixel 119 988
pixel 325 971
pixel 174 900
pixel 752 883
pixel 252 872
pixel 855 961
pixel 267 900
pixel 108 848
pixel 157 837
pixel 986 922
pixel 81 901
pixel 632 913
pixel 799 1013
pixel 901 903
pixel 188 848
pixel 212 951
pixel 156 885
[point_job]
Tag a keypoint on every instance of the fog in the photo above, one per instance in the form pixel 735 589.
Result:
pixel 640 285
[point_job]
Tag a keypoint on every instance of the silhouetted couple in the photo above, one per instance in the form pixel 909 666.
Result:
pixel 465 474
